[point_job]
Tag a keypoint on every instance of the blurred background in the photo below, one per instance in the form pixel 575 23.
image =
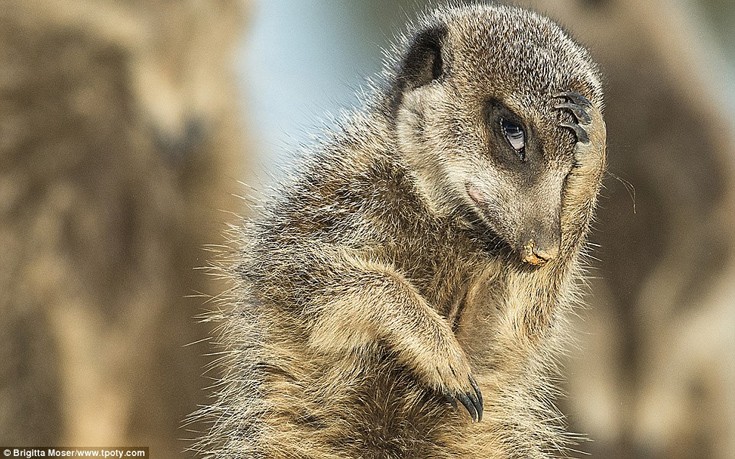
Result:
pixel 125 127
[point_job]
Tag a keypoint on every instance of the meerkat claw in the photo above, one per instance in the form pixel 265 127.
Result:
pixel 578 131
pixel 472 401
pixel 470 404
pixel 577 105
pixel 575 97
pixel 578 111
pixel 480 402
pixel 451 400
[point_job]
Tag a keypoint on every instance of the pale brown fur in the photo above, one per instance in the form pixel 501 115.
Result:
pixel 386 275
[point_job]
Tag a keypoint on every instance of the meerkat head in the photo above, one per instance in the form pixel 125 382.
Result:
pixel 473 103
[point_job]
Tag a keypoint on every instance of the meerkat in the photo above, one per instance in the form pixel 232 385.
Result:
pixel 404 292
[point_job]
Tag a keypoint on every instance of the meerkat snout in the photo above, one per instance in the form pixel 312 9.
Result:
pixel 538 250
pixel 537 237
pixel 540 239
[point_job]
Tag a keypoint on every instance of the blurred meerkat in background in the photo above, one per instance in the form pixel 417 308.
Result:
pixel 120 150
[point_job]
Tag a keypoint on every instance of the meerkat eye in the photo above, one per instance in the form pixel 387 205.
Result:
pixel 515 136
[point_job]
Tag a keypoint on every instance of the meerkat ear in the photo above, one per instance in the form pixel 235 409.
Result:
pixel 423 62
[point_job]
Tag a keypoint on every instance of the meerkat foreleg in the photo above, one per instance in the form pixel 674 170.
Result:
pixel 583 182
pixel 372 302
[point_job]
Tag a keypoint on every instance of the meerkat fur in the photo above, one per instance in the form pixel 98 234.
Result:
pixel 425 253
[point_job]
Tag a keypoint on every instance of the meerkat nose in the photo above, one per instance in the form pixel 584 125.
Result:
pixel 536 255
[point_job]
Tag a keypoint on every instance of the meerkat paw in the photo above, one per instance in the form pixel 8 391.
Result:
pixel 589 129
pixel 448 372
pixel 471 400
